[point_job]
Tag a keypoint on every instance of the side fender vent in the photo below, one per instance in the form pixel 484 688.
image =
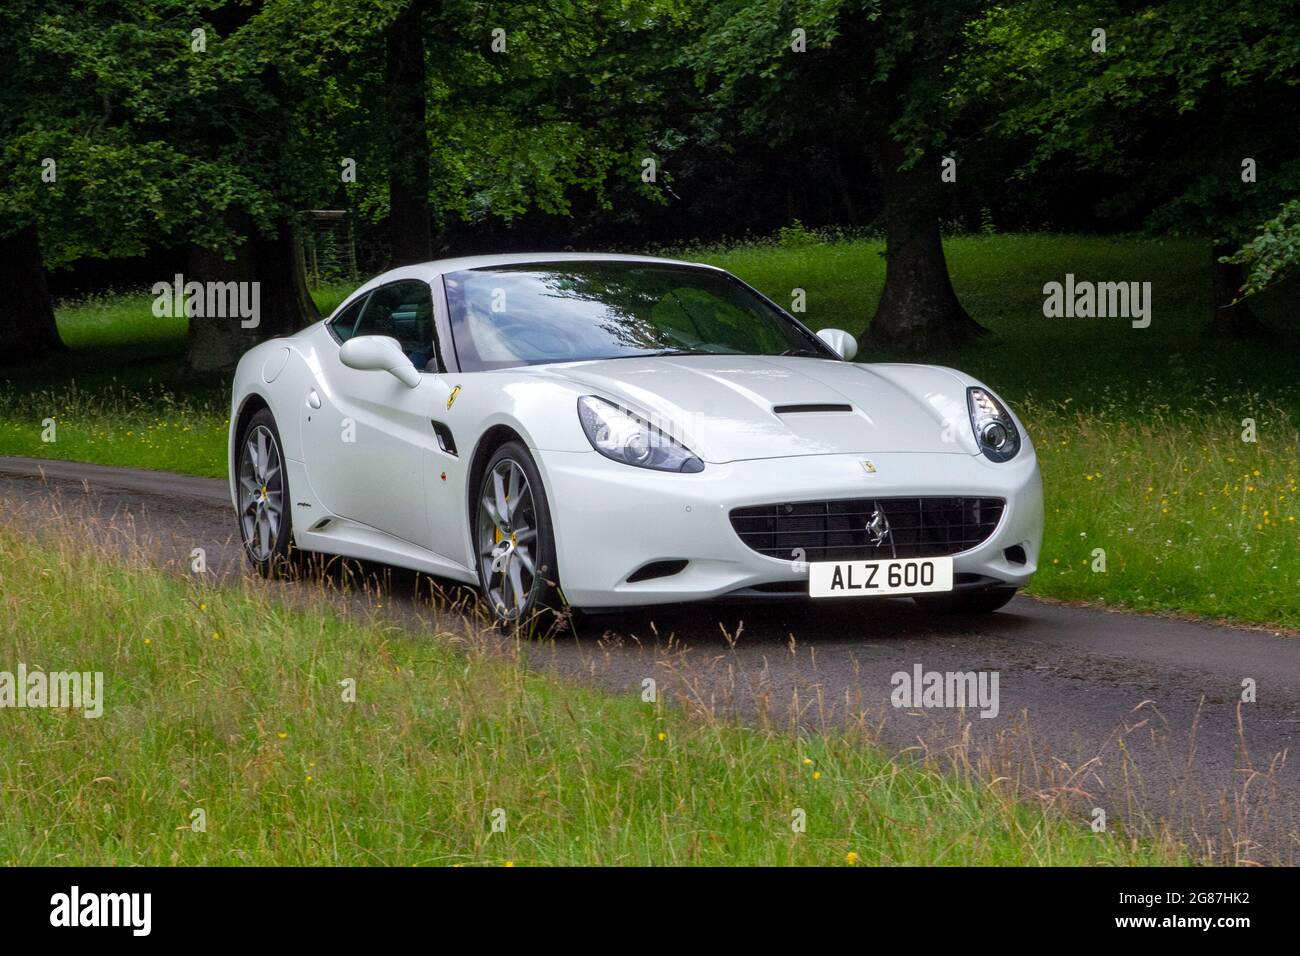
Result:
pixel 445 441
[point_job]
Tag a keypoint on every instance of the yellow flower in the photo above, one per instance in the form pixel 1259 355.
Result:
pixel 851 858
pixel 202 606
pixel 282 735
pixel 807 761
pixel 216 635
pixel 817 774
pixel 509 863
pixel 662 736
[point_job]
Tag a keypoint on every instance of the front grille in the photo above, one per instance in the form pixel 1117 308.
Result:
pixel 837 530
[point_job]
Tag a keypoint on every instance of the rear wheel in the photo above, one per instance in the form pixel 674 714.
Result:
pixel 514 542
pixel 966 602
pixel 264 523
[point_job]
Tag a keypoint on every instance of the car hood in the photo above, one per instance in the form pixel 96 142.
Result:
pixel 732 408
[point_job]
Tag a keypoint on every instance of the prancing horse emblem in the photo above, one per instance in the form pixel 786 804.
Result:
pixel 869 466
pixel 878 528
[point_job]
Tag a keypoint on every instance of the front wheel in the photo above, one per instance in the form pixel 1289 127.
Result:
pixel 264 523
pixel 514 540
pixel 966 602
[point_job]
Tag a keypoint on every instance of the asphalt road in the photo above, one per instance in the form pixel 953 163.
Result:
pixel 1135 714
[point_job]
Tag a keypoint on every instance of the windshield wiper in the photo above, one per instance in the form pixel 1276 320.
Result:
pixel 811 353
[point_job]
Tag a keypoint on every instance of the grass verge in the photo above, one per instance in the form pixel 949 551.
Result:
pixel 224 700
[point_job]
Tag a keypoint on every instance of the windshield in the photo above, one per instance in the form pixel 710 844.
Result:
pixel 533 313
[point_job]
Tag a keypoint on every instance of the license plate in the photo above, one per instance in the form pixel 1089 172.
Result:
pixel 869 578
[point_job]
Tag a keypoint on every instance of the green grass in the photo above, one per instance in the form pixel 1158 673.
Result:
pixel 1113 410
pixel 222 699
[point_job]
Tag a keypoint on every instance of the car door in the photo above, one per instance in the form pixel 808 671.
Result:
pixel 365 433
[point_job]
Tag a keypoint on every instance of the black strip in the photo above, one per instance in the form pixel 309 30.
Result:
pixel 793 409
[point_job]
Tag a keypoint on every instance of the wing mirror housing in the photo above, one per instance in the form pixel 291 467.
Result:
pixel 379 353
pixel 845 345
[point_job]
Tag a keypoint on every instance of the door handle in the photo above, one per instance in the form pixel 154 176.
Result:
pixel 313 399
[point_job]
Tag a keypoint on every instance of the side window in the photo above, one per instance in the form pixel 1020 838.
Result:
pixel 404 311
pixel 345 323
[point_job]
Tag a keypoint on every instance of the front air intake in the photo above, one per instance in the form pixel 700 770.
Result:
pixel 656 569
pixel 865 529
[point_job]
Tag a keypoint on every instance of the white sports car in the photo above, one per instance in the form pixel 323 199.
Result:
pixel 606 431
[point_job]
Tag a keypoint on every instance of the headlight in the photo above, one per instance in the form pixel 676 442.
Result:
pixel 618 434
pixel 995 431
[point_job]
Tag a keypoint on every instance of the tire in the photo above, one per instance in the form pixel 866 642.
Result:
pixel 967 602
pixel 264 516
pixel 514 541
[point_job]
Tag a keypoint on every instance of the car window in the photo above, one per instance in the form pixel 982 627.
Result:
pixel 344 324
pixel 404 311
pixel 529 314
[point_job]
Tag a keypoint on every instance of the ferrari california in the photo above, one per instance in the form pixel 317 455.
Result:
pixel 603 431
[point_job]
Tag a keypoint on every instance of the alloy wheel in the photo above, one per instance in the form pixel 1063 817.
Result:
pixel 507 539
pixel 261 492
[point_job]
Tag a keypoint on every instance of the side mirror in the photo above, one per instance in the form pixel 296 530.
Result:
pixel 845 345
pixel 379 353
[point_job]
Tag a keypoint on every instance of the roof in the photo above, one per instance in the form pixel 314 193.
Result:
pixel 428 271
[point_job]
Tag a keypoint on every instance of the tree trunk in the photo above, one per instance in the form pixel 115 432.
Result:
pixel 27 328
pixel 408 139
pixel 918 310
pixel 1229 319
pixel 269 270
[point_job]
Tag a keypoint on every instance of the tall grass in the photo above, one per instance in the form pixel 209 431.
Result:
pixel 226 701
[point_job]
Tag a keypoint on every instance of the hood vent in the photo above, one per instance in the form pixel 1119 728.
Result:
pixel 803 409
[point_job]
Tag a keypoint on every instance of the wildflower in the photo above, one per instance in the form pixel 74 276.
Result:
pixel 851 858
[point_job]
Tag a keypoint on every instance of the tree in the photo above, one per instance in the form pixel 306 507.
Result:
pixel 77 183
pixel 27 327
pixel 405 83
pixel 1192 104
pixel 154 131
pixel 872 75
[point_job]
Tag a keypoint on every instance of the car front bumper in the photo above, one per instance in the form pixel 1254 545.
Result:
pixel 612 519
